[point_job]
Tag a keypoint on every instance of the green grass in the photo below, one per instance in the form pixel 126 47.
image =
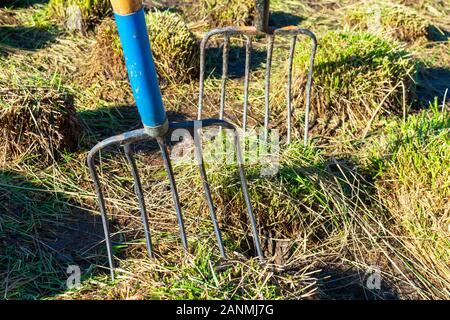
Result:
pixel 356 75
pixel 414 181
pixel 28 267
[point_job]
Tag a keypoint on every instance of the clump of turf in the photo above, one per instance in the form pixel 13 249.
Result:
pixel 356 76
pixel 287 203
pixel 398 21
pixel 78 14
pixel 414 183
pixel 176 51
pixel 107 58
pixel 227 13
pixel 36 124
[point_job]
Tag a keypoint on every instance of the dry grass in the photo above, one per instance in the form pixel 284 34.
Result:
pixel 395 20
pixel 78 14
pixel 226 13
pixel 175 49
pixel 36 124
pixel 7 17
pixel 106 59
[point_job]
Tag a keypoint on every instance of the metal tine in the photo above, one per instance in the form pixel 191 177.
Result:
pixel 101 203
pixel 202 76
pixel 309 84
pixel 248 53
pixel 124 138
pixel 140 196
pixel 270 44
pixel 289 87
pixel 226 53
pixel 206 188
pixel 173 188
pixel 282 32
pixel 240 163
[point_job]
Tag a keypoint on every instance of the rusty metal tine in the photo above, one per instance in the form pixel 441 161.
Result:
pixel 289 88
pixel 226 52
pixel 140 196
pixel 206 188
pixel 101 203
pixel 270 44
pixel 173 188
pixel 248 53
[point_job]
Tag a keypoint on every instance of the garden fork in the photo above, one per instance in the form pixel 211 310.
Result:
pixel 130 20
pixel 261 28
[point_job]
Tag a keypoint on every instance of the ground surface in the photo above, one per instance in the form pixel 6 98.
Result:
pixel 332 219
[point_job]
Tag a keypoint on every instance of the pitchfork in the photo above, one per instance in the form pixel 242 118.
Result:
pixel 130 20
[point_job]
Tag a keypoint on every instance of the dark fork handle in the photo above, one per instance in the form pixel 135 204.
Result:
pixel 262 15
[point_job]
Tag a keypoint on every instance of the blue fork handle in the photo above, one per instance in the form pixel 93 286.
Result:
pixel 130 20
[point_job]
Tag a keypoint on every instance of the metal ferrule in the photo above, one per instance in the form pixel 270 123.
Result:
pixel 141 68
pixel 157 131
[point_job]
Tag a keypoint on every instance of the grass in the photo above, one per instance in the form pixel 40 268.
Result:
pixel 28 266
pixel 357 75
pixel 220 14
pixel 373 191
pixel 395 20
pixel 175 49
pixel 416 175
pixel 36 124
pixel 77 15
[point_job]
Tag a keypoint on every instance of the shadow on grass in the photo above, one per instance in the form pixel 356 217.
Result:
pixel 20 3
pixel 106 122
pixel 26 38
pixel 437 34
pixel 43 233
pixel 236 62
pixel 345 283
pixel 432 83
pixel 280 19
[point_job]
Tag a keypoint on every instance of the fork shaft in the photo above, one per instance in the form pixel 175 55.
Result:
pixel 262 15
pixel 130 20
